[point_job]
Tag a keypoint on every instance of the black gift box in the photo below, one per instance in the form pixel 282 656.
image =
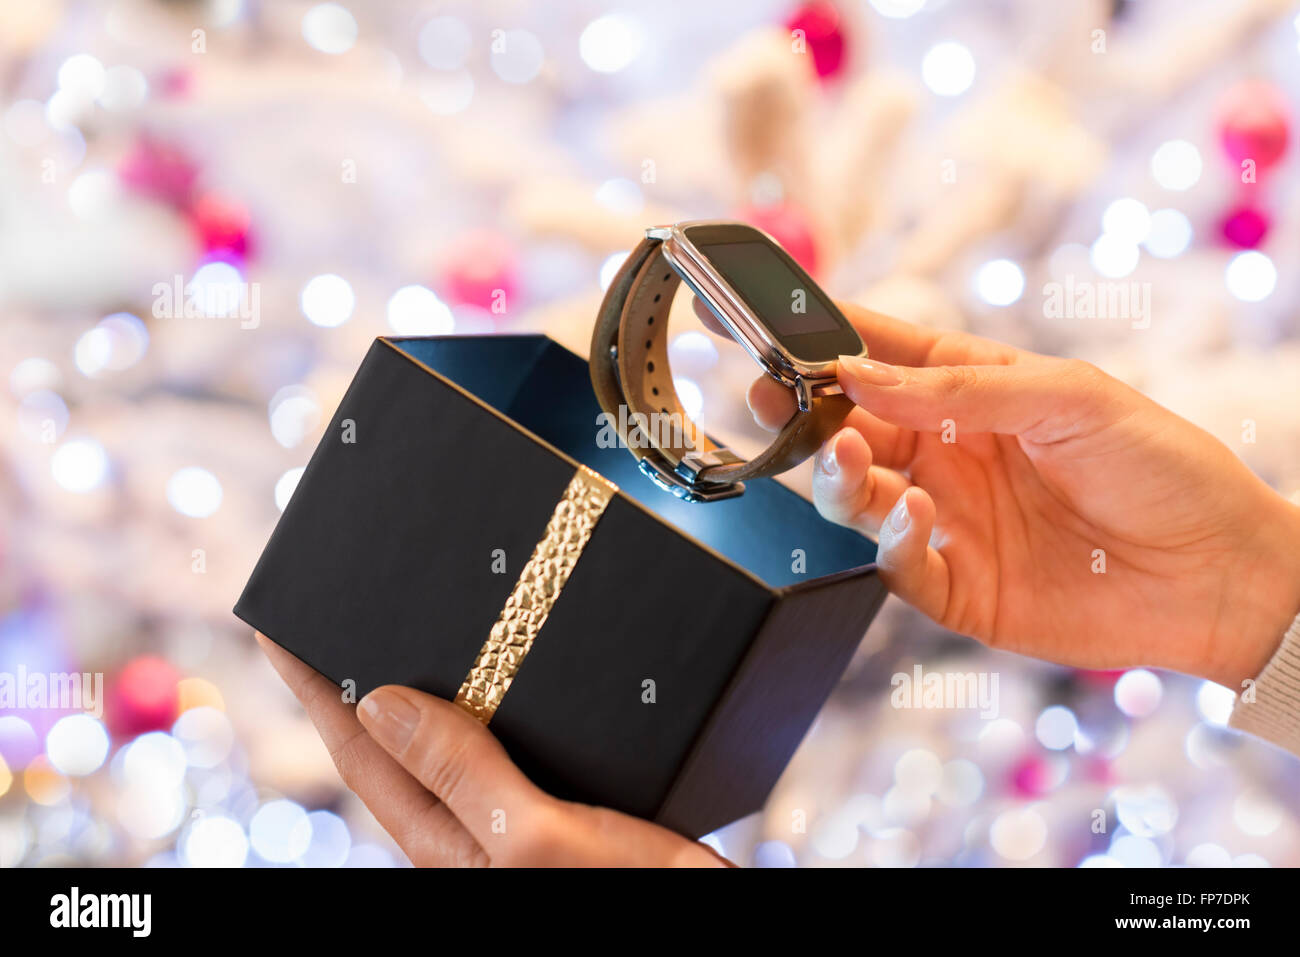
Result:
pixel 682 661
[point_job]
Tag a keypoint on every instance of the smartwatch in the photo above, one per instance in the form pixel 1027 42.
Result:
pixel 767 303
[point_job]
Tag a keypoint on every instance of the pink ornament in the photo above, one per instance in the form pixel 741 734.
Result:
pixel 222 227
pixel 820 28
pixel 144 697
pixel 788 225
pixel 1245 227
pixel 1254 124
pixel 159 171
pixel 173 84
pixel 1031 778
pixel 481 270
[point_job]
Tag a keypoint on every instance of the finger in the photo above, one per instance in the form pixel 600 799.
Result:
pixel 909 567
pixel 889 339
pixel 460 761
pixel 706 316
pixel 848 489
pixel 1043 401
pixel 420 824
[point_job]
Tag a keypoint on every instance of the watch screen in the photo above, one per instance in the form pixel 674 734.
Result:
pixel 785 298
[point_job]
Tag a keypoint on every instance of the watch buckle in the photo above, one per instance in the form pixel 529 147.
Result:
pixel 683 481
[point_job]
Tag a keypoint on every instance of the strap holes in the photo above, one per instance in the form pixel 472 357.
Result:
pixel 667 276
pixel 654 390
pixel 657 297
pixel 649 367
pixel 650 321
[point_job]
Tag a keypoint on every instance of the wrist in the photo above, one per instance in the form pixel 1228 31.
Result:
pixel 1265 599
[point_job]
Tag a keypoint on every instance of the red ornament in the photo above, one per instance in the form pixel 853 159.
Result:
pixel 481 271
pixel 1254 124
pixel 159 171
pixel 1099 679
pixel 1245 228
pixel 145 697
pixel 222 227
pixel 788 225
pixel 819 26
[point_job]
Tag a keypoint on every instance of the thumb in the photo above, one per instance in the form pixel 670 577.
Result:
pixel 910 567
pixel 1042 399
pixel 452 755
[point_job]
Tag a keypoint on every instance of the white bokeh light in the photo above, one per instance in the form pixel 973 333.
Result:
pixel 93 194
pixel 1214 703
pixel 330 841
pixel 1256 813
pixel 1176 165
pixel 1056 728
pixel 417 311
pixel 1133 851
pixel 948 68
pixel 285 486
pixel 115 343
pixel 1113 257
pixel 125 88
pixel 610 43
pixel 215 841
pixel 194 491
pixel 93 349
pixel 447 93
pixel 445 43
pixel 1018 834
pixel 1138 692
pixel 327 300
pixel 1170 234
pixel 77 745
pixel 1251 276
pixel 897 9
pixel 217 289
pixel 329 28
pixel 519 56
pixel 206 735
pixel 34 374
pixel 1127 219
pixel 692 352
pixel 294 414
pixel 1145 810
pixel 691 397
pixel 621 196
pixel 1000 282
pixel 82 75
pixel 79 465
pixel 610 267
pixel 280 831
pixel 25 123
pixel 1208 855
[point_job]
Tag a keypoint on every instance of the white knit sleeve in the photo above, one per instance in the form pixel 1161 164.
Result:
pixel 1274 715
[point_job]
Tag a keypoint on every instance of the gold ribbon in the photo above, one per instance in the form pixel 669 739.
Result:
pixel 535 593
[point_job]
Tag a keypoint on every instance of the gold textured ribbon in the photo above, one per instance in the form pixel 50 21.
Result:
pixel 535 593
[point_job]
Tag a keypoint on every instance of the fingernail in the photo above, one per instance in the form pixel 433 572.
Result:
pixel 899 517
pixel 831 464
pixel 389 718
pixel 871 372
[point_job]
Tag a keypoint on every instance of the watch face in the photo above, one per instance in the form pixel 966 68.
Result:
pixel 785 299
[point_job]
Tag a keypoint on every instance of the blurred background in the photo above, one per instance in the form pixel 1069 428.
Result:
pixel 209 208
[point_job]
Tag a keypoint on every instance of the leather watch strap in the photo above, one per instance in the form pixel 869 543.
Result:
pixel 629 366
